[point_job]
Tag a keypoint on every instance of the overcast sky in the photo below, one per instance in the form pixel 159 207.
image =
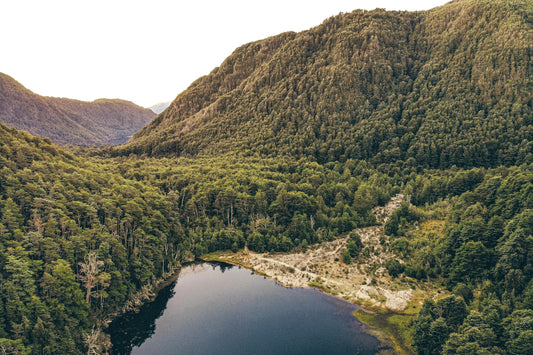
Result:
pixel 145 51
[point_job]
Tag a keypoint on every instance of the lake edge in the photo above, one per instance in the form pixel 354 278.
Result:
pixel 351 307
pixel 386 342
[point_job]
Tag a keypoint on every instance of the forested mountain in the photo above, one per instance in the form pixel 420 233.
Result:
pixel 448 86
pixel 292 141
pixel 65 261
pixel 79 239
pixel 68 121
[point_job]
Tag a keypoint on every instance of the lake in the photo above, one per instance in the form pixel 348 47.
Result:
pixel 216 308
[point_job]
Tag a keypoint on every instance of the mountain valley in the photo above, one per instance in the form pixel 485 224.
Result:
pixel 385 157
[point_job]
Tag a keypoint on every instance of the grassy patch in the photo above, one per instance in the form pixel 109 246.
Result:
pixel 432 228
pixel 396 326
pixel 320 286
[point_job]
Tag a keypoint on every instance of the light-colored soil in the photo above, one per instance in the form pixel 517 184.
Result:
pixel 365 281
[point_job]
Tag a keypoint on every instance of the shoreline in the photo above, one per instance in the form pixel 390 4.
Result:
pixel 373 319
pixel 388 343
pixel 388 304
pixel 146 294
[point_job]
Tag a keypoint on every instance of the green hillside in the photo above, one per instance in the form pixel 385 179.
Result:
pixel 136 220
pixel 450 86
pixel 291 142
pixel 75 242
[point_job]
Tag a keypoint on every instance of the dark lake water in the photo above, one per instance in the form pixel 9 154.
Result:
pixel 221 309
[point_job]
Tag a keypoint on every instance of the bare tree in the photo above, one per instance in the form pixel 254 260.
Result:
pixel 97 342
pixel 92 276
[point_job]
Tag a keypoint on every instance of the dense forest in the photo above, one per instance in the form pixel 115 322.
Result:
pixel 292 141
pixel 483 255
pixel 446 87
pixel 79 238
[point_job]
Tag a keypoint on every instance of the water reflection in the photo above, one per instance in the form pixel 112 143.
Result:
pixel 222 266
pixel 218 308
pixel 132 329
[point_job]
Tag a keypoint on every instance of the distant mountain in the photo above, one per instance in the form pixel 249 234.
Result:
pixel 160 107
pixel 67 121
pixel 438 88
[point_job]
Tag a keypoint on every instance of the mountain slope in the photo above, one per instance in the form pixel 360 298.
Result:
pixel 68 121
pixel 55 210
pixel 129 222
pixel 448 86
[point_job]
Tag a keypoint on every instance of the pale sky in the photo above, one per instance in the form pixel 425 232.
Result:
pixel 146 51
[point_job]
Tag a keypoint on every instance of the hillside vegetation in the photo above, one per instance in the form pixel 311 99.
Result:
pixel 70 122
pixel 449 86
pixel 79 238
pixel 295 140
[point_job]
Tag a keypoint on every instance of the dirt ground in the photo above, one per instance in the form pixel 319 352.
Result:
pixel 365 281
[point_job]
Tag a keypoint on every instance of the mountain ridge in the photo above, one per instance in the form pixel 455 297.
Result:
pixel 374 85
pixel 69 121
pixel 295 141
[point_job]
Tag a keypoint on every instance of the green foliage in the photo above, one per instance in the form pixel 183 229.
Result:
pixel 474 336
pixel 400 219
pixel 436 321
pixel 442 88
pixel 79 237
pixel 471 261
pixel 353 248
pixel 464 291
pixel 55 211
pixel 276 204
pixel 292 141
pixel 346 257
pixel 394 267
pixel 519 331
pixel 485 255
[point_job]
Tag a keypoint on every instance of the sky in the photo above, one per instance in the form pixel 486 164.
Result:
pixel 146 51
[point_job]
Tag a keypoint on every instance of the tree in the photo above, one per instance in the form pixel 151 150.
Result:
pixel 519 331
pixel 346 257
pixel 97 342
pixel 20 274
pixel 394 267
pixel 475 333
pixel 354 245
pixel 435 321
pixel 8 346
pixel 422 337
pixel 464 291
pixel 453 309
pixel 64 295
pixel 92 276
pixel 471 262
pixel 11 217
pixel 522 344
